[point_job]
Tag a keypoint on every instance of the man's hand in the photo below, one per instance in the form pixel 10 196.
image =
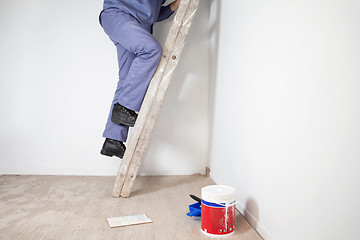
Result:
pixel 175 5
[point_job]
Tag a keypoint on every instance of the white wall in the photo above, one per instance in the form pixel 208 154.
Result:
pixel 58 72
pixel 286 129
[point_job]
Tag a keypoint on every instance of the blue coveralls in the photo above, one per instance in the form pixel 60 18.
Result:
pixel 128 23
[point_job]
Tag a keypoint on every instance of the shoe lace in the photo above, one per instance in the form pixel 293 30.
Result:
pixel 121 145
pixel 131 112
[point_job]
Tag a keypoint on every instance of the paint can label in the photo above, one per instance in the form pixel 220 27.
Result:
pixel 217 219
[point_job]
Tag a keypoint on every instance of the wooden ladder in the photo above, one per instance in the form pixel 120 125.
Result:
pixel 154 97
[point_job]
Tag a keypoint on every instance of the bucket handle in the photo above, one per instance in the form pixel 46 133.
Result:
pixel 224 204
pixel 227 205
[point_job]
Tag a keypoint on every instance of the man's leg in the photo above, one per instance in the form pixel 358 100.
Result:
pixel 138 56
pixel 117 134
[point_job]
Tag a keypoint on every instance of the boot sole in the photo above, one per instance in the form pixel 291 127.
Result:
pixel 119 122
pixel 110 154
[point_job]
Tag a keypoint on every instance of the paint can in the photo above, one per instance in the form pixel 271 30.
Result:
pixel 218 210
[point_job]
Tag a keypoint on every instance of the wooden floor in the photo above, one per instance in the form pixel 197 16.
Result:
pixel 63 207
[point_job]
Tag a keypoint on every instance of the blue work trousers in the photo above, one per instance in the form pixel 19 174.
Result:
pixel 138 54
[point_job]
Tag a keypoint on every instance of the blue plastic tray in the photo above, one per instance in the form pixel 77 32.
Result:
pixel 195 210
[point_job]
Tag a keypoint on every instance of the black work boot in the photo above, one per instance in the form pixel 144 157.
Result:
pixel 113 148
pixel 123 116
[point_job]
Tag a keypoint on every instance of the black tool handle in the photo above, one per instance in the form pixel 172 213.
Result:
pixel 195 198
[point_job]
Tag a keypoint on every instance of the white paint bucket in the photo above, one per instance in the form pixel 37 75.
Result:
pixel 218 210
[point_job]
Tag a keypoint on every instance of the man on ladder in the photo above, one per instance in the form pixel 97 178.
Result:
pixel 129 23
